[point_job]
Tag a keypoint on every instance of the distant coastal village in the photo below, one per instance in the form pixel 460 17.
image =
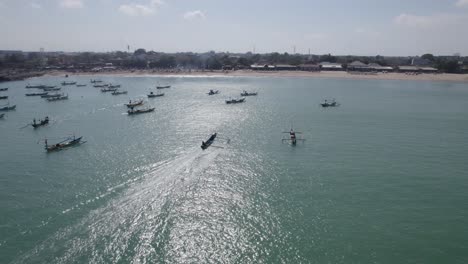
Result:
pixel 18 65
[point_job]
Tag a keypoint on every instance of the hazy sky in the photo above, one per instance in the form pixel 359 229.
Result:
pixel 359 27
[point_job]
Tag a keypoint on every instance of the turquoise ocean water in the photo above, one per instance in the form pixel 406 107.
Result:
pixel 381 179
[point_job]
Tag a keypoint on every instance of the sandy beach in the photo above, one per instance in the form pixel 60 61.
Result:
pixel 444 77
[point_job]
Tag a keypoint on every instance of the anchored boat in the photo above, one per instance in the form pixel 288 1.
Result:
pixel 64 144
pixel 163 87
pixel 331 103
pixel 137 103
pixel 3 89
pixel 213 92
pixel 35 86
pixel 36 94
pixel 105 90
pixel 43 122
pixel 47 95
pixel 100 85
pixel 152 95
pixel 52 89
pixel 68 83
pixel 8 108
pixel 3 97
pixel 245 93
pixel 117 92
pixel 59 98
pixel 235 101
pixel 139 111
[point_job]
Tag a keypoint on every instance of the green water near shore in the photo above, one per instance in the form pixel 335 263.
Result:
pixel 380 179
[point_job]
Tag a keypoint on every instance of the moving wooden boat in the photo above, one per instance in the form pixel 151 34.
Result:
pixel 68 83
pixel 152 95
pixel 139 111
pixel 2 115
pixel 64 144
pixel 137 103
pixel 213 92
pixel 331 103
pixel 235 101
pixel 114 86
pixel 105 90
pixel 96 81
pixel 3 97
pixel 8 108
pixel 36 94
pixel 52 89
pixel 80 85
pixel 117 92
pixel 60 98
pixel 245 93
pixel 163 87
pixel 3 89
pixel 206 144
pixel 43 122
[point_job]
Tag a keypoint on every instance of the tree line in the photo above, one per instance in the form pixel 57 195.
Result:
pixel 141 59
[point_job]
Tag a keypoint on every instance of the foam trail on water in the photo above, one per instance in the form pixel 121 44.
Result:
pixel 134 215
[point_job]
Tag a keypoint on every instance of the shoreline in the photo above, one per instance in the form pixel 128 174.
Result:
pixel 443 77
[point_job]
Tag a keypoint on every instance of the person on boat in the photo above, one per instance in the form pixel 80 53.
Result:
pixel 292 134
pixel 34 121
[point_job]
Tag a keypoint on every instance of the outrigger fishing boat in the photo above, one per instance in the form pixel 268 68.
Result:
pixel 64 144
pixel 3 89
pixel 100 85
pixel 105 90
pixel 331 103
pixel 60 98
pixel 47 95
pixel 36 94
pixel 43 122
pixel 235 101
pixel 52 89
pixel 3 97
pixel 35 86
pixel 117 92
pixel 139 111
pixel 292 137
pixel 8 108
pixel 68 83
pixel 245 93
pixel 213 92
pixel 96 81
pixel 163 87
pixel 114 86
pixel 152 95
pixel 137 103
pixel 206 144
